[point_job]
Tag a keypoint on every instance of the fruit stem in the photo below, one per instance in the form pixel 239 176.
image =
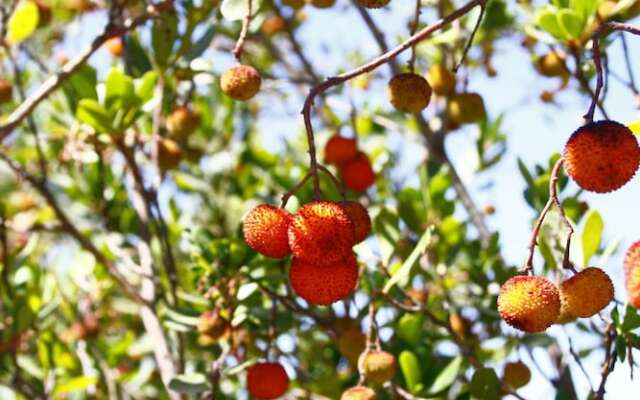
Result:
pixel 237 50
pixel 463 57
pixel 414 28
pixel 287 196
pixel 339 185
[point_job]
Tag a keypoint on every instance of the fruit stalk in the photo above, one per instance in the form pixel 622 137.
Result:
pixel 237 50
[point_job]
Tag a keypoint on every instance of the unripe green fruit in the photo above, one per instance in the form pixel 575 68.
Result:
pixel 465 108
pixel 241 82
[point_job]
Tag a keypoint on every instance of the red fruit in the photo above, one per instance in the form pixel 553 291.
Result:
pixel 360 218
pixel 340 149
pixel 267 380
pixel 321 233
pixel 265 230
pixel 602 156
pixel 324 285
pixel 357 174
pixel 632 274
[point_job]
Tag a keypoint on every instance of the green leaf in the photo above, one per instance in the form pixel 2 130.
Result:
pixel 236 10
pixel 163 36
pixel 93 114
pixel 412 209
pixel 136 60
pixel 447 376
pixel 411 371
pixel 23 22
pixel 621 347
pixel 485 385
pixel 631 319
pixel 410 328
pixel 80 383
pixel 570 24
pixel 120 93
pixel 547 20
pixel 189 383
pixel 146 86
pixel 591 235
pixel 200 45
pixel 405 270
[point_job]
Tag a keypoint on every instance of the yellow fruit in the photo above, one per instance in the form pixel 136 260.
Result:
pixel 529 303
pixel 169 154
pixel 377 366
pixel 516 374
pixel 442 81
pixel 182 122
pixel 552 64
pixel 409 93
pixel 241 82
pixel 358 393
pixel 587 292
pixel 465 108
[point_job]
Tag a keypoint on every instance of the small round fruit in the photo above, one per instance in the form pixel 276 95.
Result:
pixel 466 108
pixel 322 3
pixel 241 82
pixel 632 274
pixel 351 343
pixel 442 81
pixel 272 25
pixel 6 91
pixel 602 156
pixel 409 93
pixel 516 374
pixel 340 149
pixel 182 122
pixel 115 46
pixel 324 285
pixel 212 324
pixel 373 3
pixel 267 380
pixel 295 4
pixel 587 292
pixel 265 230
pixel 357 174
pixel 377 366
pixel 321 233
pixel 552 64
pixel 358 393
pixel 360 218
pixel 169 154
pixel 529 303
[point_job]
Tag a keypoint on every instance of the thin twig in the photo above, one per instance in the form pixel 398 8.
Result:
pixel 470 41
pixel 237 51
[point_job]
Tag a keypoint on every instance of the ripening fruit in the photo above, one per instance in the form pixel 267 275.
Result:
pixel 78 5
pixel 552 64
pixel 357 174
pixel 459 325
pixel 321 233
pixel 442 81
pixel 212 324
pixel 373 3
pixel 632 274
pixel 182 122
pixel 6 91
pixel 377 366
pixel 409 92
pixel 565 316
pixel 267 380
pixel 466 108
pixel 241 82
pixel 516 374
pixel 322 3
pixel 325 284
pixel 340 149
pixel 358 393
pixel 169 154
pixel 265 230
pixel 295 4
pixel 115 46
pixel 360 218
pixel 529 303
pixel 587 292
pixel 351 343
pixel 602 156
pixel 272 25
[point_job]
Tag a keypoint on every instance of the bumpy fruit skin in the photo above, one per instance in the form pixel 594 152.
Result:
pixel 409 93
pixel 360 218
pixel 587 292
pixel 241 82
pixel 265 230
pixel 552 64
pixel 267 380
pixel 442 81
pixel 6 91
pixel 182 122
pixel 169 154
pixel 358 393
pixel 321 233
pixel 466 108
pixel 340 149
pixel 373 3
pixel 516 374
pixel 377 366
pixel 632 274
pixel 529 303
pixel 115 46
pixel 602 156
pixel 357 174
pixel 322 3
pixel 324 285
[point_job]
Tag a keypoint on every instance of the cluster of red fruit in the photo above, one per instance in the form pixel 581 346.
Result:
pixel 320 236
pixel 354 166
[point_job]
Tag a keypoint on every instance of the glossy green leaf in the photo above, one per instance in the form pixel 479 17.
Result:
pixel 570 23
pixel 411 371
pixel 485 385
pixel 410 329
pixel 405 270
pixel 93 114
pixel 547 20
pixel 447 376
pixel 163 36
pixel 72 385
pixel 591 235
